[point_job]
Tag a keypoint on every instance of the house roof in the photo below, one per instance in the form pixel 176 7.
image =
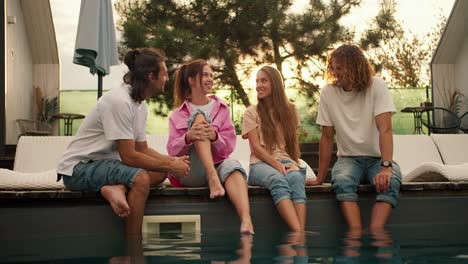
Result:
pixel 41 31
pixel 454 34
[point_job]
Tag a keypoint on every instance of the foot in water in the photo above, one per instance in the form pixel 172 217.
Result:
pixel 246 228
pixel 216 189
pixel 115 195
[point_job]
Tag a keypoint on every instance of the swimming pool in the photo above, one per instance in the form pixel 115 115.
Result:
pixel 398 244
pixel 429 226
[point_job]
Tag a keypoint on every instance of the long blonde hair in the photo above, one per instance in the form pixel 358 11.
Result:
pixel 283 116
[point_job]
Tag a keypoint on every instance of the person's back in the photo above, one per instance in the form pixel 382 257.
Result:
pixel 95 138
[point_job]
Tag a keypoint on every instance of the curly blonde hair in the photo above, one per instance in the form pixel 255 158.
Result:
pixel 356 68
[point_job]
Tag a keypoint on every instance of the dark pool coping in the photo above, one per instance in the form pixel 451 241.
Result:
pixel 413 188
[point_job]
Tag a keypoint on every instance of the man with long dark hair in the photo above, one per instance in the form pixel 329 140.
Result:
pixel 109 153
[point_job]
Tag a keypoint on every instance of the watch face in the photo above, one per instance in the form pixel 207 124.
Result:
pixel 386 163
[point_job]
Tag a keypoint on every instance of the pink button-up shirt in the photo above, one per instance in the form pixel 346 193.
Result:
pixel 221 123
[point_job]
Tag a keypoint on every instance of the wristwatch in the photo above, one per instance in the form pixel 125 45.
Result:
pixel 386 164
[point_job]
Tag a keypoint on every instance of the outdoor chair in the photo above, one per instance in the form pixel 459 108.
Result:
pixel 33 128
pixel 464 123
pixel 440 120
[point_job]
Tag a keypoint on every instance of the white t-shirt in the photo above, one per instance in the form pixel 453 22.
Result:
pixel 352 114
pixel 205 108
pixel 115 116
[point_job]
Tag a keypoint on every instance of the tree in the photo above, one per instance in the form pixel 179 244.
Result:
pixel 236 36
pixel 406 57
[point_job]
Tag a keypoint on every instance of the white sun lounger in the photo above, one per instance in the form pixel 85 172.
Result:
pixel 420 159
pixel 37 157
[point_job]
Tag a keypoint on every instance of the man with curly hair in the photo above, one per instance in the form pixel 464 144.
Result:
pixel 358 107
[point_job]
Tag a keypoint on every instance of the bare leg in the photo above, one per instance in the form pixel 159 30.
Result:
pixel 380 213
pixel 382 239
pixel 301 212
pixel 352 247
pixel 237 190
pixel 156 178
pixel 203 148
pixel 287 211
pixel 136 199
pixel 115 195
pixel 352 214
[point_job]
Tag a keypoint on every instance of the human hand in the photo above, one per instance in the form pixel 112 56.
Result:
pixel 311 182
pixel 181 166
pixel 291 167
pixel 382 180
pixel 280 167
pixel 212 135
pixel 200 131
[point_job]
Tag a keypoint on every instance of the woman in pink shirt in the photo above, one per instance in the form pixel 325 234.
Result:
pixel 201 127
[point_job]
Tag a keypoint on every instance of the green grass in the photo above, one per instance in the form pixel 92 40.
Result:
pixel 81 102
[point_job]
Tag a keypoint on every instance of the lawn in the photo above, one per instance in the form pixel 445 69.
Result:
pixel 81 101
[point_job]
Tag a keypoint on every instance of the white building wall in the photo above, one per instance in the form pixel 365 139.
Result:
pixel 19 66
pixel 461 69
pixel 47 78
pixel 461 74
pixel 443 84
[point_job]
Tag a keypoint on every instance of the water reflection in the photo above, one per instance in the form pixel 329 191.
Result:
pixel 244 252
pixel 293 249
pixel 374 245
pixel 354 246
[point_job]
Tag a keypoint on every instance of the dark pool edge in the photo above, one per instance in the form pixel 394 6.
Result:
pixel 413 188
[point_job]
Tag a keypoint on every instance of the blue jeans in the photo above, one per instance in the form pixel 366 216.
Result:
pixel 349 172
pixel 93 175
pixel 289 186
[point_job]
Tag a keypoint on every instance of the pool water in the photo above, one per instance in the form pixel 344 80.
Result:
pixel 397 244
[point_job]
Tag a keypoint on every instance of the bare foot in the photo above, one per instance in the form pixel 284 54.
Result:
pixel 216 189
pixel 246 227
pixel 115 195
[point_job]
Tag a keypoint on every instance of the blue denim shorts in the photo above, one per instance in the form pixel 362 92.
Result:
pixel 93 175
pixel 289 186
pixel 349 172
pixel 197 176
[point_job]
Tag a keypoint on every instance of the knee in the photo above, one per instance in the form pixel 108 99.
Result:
pixel 296 178
pixel 343 183
pixel 277 181
pixel 394 187
pixel 199 118
pixel 142 181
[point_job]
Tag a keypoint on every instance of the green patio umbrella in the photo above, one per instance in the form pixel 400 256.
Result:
pixel 96 46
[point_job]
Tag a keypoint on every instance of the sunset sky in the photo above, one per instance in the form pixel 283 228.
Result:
pixel 417 16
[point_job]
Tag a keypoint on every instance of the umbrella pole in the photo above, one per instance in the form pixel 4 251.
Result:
pixel 99 91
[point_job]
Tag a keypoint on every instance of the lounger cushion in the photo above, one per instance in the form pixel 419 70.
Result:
pixel 36 154
pixel 411 151
pixel 14 180
pixel 453 148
